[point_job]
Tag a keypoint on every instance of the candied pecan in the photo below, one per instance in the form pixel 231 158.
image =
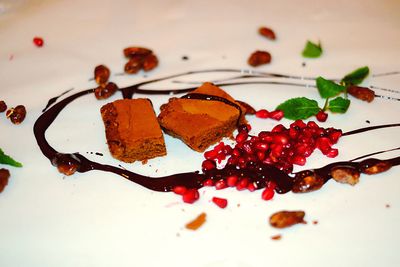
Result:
pixel 17 114
pixel 259 58
pixel 374 166
pixel 283 219
pixel 101 74
pixel 345 174
pixel 267 32
pixel 134 65
pixel 130 52
pixel 3 106
pixel 67 164
pixel 4 175
pixel 307 181
pixel 104 92
pixel 150 62
pixel 362 93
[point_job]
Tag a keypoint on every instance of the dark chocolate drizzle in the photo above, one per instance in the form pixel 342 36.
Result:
pixel 259 175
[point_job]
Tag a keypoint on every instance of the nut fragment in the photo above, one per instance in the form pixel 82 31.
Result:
pixel 67 164
pixel 101 74
pixel 150 62
pixel 133 65
pixel 3 106
pixel 4 176
pixel 374 166
pixel 139 58
pixel 283 219
pixel 267 32
pixel 259 58
pixel 362 93
pixel 17 114
pixel 307 181
pixel 197 222
pixel 104 92
pixel 345 174
pixel 130 52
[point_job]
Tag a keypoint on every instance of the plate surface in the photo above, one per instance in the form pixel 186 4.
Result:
pixel 101 219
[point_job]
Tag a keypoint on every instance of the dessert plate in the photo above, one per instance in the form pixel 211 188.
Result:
pixel 98 218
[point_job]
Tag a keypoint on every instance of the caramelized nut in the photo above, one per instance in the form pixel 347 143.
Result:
pixel 67 164
pixel 307 181
pixel 17 114
pixel 133 65
pixel 130 52
pixel 101 74
pixel 150 62
pixel 374 166
pixel 283 219
pixel 267 32
pixel 259 58
pixel 3 106
pixel 4 175
pixel 104 92
pixel 345 174
pixel 362 93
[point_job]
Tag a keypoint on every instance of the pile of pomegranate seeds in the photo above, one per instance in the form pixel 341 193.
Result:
pixel 265 114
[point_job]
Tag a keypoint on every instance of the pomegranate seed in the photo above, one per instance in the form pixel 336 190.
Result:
pixel 241 137
pixel 334 136
pixel 236 152
pixel 251 187
pixel 190 196
pixel 324 144
pixel 220 202
pixel 260 155
pixel 242 184
pixel 232 160
pixel 38 41
pixel 262 114
pixel 247 147
pixel 180 190
pixel 208 182
pixel 267 194
pixel 322 116
pixel 244 128
pixel 211 154
pixel 332 153
pixel 278 129
pixel 227 150
pixel 231 180
pixel 220 184
pixel 299 160
pixel 312 125
pixel 276 115
pixel 218 148
pixel 208 165
pixel 281 139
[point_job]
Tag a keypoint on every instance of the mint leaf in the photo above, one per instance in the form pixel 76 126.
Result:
pixel 5 159
pixel 328 88
pixel 299 108
pixel 312 50
pixel 356 77
pixel 339 105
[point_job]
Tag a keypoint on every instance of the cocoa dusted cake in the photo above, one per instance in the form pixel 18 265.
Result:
pixel 132 130
pixel 201 118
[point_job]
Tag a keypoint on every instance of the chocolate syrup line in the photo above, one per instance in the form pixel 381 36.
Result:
pixel 365 129
pixel 54 99
pixel 386 74
pixel 259 175
pixel 385 89
pixel 375 153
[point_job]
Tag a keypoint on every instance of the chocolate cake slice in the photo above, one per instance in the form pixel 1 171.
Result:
pixel 132 130
pixel 201 121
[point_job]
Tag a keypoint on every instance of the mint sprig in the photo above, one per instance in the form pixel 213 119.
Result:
pixel 355 77
pixel 327 88
pixel 6 159
pixel 299 108
pixel 339 105
pixel 312 50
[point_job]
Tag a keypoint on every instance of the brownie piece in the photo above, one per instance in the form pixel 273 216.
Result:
pixel 198 122
pixel 132 130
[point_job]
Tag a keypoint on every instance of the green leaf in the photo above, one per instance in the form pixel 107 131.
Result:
pixel 5 159
pixel 328 88
pixel 356 77
pixel 339 105
pixel 312 50
pixel 299 108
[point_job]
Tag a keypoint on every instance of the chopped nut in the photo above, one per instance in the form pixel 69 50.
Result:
pixel 104 92
pixel 307 181
pixel 276 237
pixel 101 74
pixel 283 219
pixel 259 58
pixel 196 223
pixel 362 93
pixel 130 52
pixel 4 176
pixel 67 164
pixel 150 62
pixel 133 65
pixel 3 106
pixel 267 32
pixel 374 166
pixel 17 114
pixel 345 174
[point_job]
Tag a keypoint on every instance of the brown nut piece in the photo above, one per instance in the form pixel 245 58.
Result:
pixel 104 92
pixel 101 74
pixel 150 62
pixel 345 174
pixel 307 181
pixel 283 219
pixel 17 114
pixel 362 93
pixel 374 166
pixel 130 52
pixel 267 32
pixel 4 176
pixel 67 164
pixel 259 58
pixel 133 65
pixel 3 106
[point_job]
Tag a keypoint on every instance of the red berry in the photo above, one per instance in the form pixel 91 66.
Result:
pixel 190 196
pixel 268 194
pixel 38 41
pixel 262 114
pixel 180 190
pixel 321 116
pixel 276 115
pixel 220 202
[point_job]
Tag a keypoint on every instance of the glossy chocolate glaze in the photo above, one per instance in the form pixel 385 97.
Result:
pixel 259 174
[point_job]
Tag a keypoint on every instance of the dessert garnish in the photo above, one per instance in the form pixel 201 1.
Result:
pixel 140 58
pixel 267 33
pixel 6 159
pixel 17 114
pixel 197 222
pixel 259 58
pixel 283 219
pixel 3 106
pixel 220 202
pixel 312 50
pixel 38 41
pixel 4 176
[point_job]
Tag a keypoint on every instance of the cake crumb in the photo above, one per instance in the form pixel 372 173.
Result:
pixel 197 222
pixel 276 237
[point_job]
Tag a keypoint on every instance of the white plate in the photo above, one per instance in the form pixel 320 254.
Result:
pixel 101 219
